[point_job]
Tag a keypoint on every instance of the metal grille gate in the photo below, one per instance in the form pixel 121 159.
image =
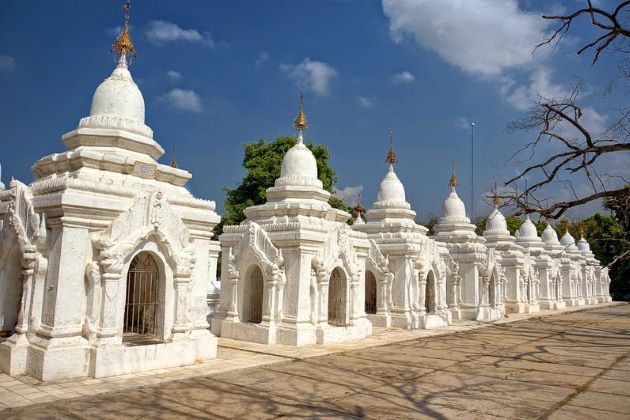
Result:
pixel 141 305
pixel 370 293
pixel 336 298
pixel 255 291
pixel 429 300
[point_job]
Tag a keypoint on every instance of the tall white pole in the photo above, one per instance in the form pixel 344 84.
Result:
pixel 472 171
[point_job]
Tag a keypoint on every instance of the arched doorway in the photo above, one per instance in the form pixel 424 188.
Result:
pixel 429 294
pixel 370 293
pixel 253 297
pixel 337 298
pixel 10 290
pixel 491 292
pixel 142 301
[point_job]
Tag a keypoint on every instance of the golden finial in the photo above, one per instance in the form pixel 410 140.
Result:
pixel 173 162
pixel 453 182
pixel 300 122
pixel 358 209
pixel 495 197
pixel 391 155
pixel 123 44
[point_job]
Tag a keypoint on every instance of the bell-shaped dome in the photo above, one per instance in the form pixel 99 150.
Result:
pixel 549 235
pixel 567 240
pixel 527 230
pixel 453 206
pixel 391 189
pixel 583 245
pixel 496 223
pixel 299 162
pixel 119 96
pixel 299 167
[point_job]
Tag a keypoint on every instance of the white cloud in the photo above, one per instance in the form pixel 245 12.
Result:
pixel 7 64
pixel 160 31
pixel 482 37
pixel 349 194
pixel 262 57
pixel 365 102
pixel 184 100
pixel 524 97
pixel 490 39
pixel 402 77
pixel 175 76
pixel 312 75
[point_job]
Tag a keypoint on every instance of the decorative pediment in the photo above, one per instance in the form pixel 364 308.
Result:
pixel 492 265
pixel 149 216
pixel 529 271
pixel 376 260
pixel 256 241
pixel 28 226
pixel 337 249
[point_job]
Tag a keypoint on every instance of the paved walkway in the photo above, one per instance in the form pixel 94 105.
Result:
pixel 563 365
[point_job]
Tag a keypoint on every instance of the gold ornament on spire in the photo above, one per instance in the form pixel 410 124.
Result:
pixel 495 197
pixel 300 122
pixel 391 155
pixel 173 162
pixel 123 44
pixel 453 182
pixel 358 209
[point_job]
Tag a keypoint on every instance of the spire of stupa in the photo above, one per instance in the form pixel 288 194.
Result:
pixel 453 182
pixel 300 122
pixel 123 47
pixel 391 155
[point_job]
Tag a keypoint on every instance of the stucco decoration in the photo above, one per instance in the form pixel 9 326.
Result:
pixel 379 265
pixel 149 216
pixel 29 230
pixel 336 251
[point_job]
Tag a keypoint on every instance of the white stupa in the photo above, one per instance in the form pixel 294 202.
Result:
pixel 479 268
pixel 407 288
pixel 125 250
pixel 292 272
pixel 498 238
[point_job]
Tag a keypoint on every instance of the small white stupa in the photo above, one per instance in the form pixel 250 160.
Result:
pixel 589 277
pixel 550 289
pixel 479 296
pixel 572 274
pixel 406 272
pixel 292 271
pixel 498 238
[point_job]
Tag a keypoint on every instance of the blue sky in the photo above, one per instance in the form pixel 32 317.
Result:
pixel 217 74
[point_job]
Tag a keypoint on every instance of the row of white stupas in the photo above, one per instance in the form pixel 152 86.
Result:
pixel 107 261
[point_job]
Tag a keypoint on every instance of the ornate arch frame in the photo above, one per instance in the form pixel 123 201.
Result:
pixel 148 225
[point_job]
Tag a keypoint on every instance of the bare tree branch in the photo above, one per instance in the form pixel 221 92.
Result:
pixel 607 21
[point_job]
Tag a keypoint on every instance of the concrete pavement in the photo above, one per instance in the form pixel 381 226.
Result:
pixel 566 365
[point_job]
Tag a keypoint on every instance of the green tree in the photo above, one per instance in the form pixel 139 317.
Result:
pixel 263 161
pixel 513 224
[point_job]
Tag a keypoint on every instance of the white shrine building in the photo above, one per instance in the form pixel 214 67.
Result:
pixel 406 271
pixel 106 258
pixel 293 271
pixel 477 292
